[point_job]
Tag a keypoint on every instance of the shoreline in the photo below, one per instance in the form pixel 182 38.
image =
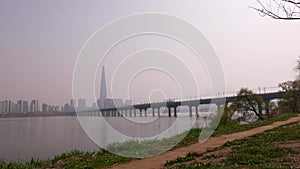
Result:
pixel 112 159
pixel 36 114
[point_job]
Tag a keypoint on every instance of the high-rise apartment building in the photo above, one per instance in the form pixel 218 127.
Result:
pixel 7 106
pixel 19 106
pixel 25 106
pixel 1 107
pixel 73 103
pixel 45 108
pixel 81 104
pixel 34 106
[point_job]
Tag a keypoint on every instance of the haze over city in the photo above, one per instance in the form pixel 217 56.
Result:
pixel 149 84
pixel 40 42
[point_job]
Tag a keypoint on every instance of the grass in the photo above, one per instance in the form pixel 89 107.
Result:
pixel 104 159
pixel 72 160
pixel 258 151
pixel 145 148
pixel 261 150
pixel 190 156
pixel 139 149
pixel 234 127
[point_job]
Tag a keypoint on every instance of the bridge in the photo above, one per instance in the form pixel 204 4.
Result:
pixel 170 105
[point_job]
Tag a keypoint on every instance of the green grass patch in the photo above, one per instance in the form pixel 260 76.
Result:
pixel 74 159
pixel 235 127
pixel 258 151
pixel 189 156
pixel 137 149
pixel 199 166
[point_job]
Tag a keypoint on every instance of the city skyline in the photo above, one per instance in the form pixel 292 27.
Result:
pixel 23 106
pixel 38 62
pixel 34 105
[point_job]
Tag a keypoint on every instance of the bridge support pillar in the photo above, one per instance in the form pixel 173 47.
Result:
pixel 145 112
pixel 134 112
pixel 153 112
pixel 141 111
pixel 191 111
pixel 158 112
pixel 196 108
pixel 175 111
pixel 169 109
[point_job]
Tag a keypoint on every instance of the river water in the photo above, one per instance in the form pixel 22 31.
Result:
pixel 44 137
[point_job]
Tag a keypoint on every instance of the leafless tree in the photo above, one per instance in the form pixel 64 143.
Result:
pixel 279 9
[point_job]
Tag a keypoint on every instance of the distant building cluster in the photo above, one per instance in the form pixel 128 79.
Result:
pixel 23 106
pixel 108 103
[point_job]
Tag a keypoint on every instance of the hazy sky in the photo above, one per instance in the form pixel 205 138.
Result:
pixel 40 41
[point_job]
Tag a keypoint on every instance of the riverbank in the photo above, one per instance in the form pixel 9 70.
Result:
pixel 104 159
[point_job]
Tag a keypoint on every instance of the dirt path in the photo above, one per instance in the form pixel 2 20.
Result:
pixel 159 160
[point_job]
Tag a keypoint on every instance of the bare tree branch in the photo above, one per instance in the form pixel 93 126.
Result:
pixel 279 9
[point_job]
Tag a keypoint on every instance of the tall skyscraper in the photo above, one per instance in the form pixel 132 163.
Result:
pixel 103 94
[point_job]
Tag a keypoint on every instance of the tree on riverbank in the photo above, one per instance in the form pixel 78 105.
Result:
pixel 249 104
pixel 290 99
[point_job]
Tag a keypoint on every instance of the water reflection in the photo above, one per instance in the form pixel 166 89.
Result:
pixel 44 137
